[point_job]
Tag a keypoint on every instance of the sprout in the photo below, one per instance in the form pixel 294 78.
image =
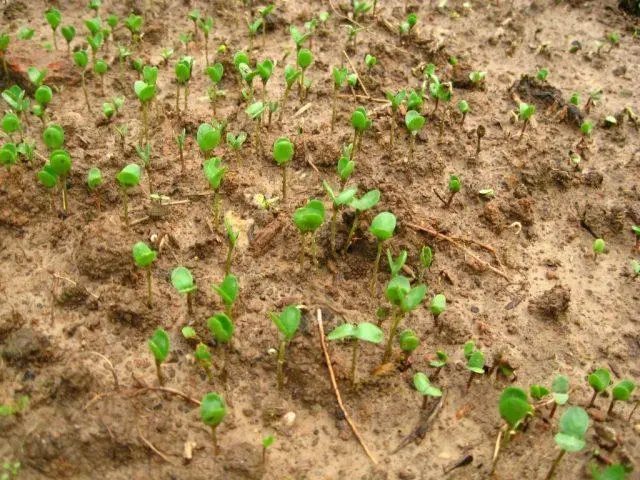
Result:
pixel 264 12
pixel 538 392
pixel 53 17
pixel 208 138
pixel 440 363
pixel 128 177
pixel 338 200
pixel 542 74
pixel 214 172
pixel 614 39
pixel 559 392
pixel 9 156
pixel 586 128
pixel 144 258
pixel 345 166
pixel 395 265
pixel 159 345
pixel 370 61
pixel 360 7
pixel 166 54
pixel 269 439
pixel 183 75
pixel 221 327
pixel 53 136
pixel 395 100
pixel 214 72
pixel 253 28
pixel 264 70
pixel 189 333
pixel 15 98
pixel 475 361
pixel 366 202
pixel 575 99
pixel 308 219
pixel 203 357
pixel 422 384
pixel 526 111
pixel 26 33
pixel 404 300
pixel 212 413
pixel 287 323
pixel 454 187
pixel 291 76
pixel 621 393
pixel 133 23
pixel 463 108
pixel 414 122
pixel 95 42
pixel 598 247
pixel 635 268
pixel 636 230
pixel 382 227
pixel 305 59
pixel 195 16
pixel 409 342
pixel 438 306
pixel 182 281
pixel 47 176
pixel 60 163
pixel 611 472
pixel 282 154
pixel 235 142
pixel 477 78
pixel 574 423
pixel 426 259
pixel 514 408
pixel 406 26
pixel 599 381
pixel 364 331
pixel 185 39
pixel 180 139
pixel 255 111
pixel 81 59
pixel 5 39
pixel 360 123
pixel 100 67
pixel 11 124
pixel 339 78
pixel 232 239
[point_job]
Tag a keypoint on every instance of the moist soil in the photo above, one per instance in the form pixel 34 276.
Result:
pixel 528 291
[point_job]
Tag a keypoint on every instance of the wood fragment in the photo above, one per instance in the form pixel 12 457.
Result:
pixel 187 453
pixel 421 430
pixel 140 220
pixel 364 88
pixel 302 110
pixel 337 392
pixel 75 284
pixel 264 237
pixel 111 368
pixel 154 449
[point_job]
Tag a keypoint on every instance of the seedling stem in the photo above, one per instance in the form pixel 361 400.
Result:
pixel 555 463
pixel 374 276
pixel 281 352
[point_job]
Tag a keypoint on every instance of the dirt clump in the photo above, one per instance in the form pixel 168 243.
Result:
pixel 551 304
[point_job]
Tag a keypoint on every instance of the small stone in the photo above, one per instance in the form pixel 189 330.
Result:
pixel 597 414
pixel 620 70
pixel 289 418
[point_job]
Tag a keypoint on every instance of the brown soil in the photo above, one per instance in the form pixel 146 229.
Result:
pixel 557 311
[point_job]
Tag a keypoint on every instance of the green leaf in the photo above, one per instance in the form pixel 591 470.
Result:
pixel 368 332
pixel 441 361
pixel 423 386
pixel 80 58
pixel 310 217
pixel 600 379
pixel 144 91
pixel 288 321
pixel 10 123
pixel 438 304
pixel 397 288
pixel 413 299
pixel 53 136
pixel 598 245
pixel 538 392
pixel 208 137
pixel 215 72
pixel 359 119
pixel 221 327
pixel 526 111
pixel 190 333
pixel 622 391
pixel 46 176
pixel 395 265
pixel 514 406
pixel 159 345
pixel 214 172
pixel 202 353
pixel 60 162
pixel 212 410
pixel 574 423
pixel 414 121
pixel 255 110
pixel 143 255
pixel 409 341
pixel 367 201
pixel 612 472
pixel 182 280
pixel 228 289
pixel 475 363
pixel 346 330
pixel 267 441
pixel 426 256
pixel 43 95
pixel 53 17
pixel 305 58
pixel 282 150
pixel 383 226
pixel 129 176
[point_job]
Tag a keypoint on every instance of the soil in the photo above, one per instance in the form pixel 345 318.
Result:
pixel 546 305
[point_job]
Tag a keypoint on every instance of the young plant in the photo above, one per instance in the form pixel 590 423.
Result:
pixel 438 306
pixel 214 172
pixel 475 361
pixel 266 443
pixel 183 75
pixel 477 78
pixel 365 331
pixel 100 67
pixel 621 393
pixel 283 152
pixel 362 204
pixel 128 177
pixel 235 142
pixel 345 166
pixel 360 123
pixel 180 139
pixel 305 59
pixel 144 258
pixel 308 219
pixel 404 300
pixel 215 72
pixel 409 342
pixel 206 25
pixel 208 138
pixel 133 23
pixel 287 323
pixel 406 26
pixel 291 76
pixel 203 357
pixel 439 364
pixel 166 55
pixel 525 114
pixel 255 112
pixel 195 16
pixel 339 77
pixel 422 384
pixel 182 281
pixel 221 328
pixel 212 413
pixel 636 230
pixel 5 40
pixel 598 247
pixel 514 409
pixel 53 17
pixel 253 28
pixel 228 292
pixel 396 264
pixel 370 61
pixel 9 157
pixel 94 180
pixel 382 227
pixel 454 187
pixel 559 393
pixel 338 200
pixel 232 240
pixel 264 70
pixel 11 124
pixel 463 108
pixel 264 12
pixel 415 123
pixel 123 54
pixel 574 423
pixel 599 380
pixel 60 162
pixel 46 176
pixel 81 59
pixel 159 345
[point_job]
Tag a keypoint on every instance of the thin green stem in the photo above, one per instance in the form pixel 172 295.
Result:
pixel 334 217
pixel 125 203
pixel 374 275
pixel 281 354
pixel 159 373
pixel 354 362
pixel 352 230
pixel 554 465
pixel 284 182
pixel 395 321
pixel 149 286
pixel 86 94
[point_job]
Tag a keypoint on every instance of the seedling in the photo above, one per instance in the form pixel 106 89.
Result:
pixel 594 99
pixel 53 17
pixel 599 381
pixel 287 323
pixel 221 327
pixel 180 139
pixel 228 292
pixel 345 166
pixel 7 410
pixel 614 40
pixel 183 75
pixel 128 177
pixel 308 219
pixel 404 299
pixel 69 33
pixel 282 154
pixel 305 59
pixel 133 23
pixel 123 54
pixel 382 227
pixel 215 72
pixel 406 26
pixel 298 37
pixel 81 59
pixel 5 40
pixel 370 61
pixel 202 356
pixel 182 281
pixel 232 240
pixel 636 230
pixel 360 123
pixel 214 172
pixel 477 78
pixel 514 409
pixel 235 142
pixel 212 413
pixel 159 345
pixel 9 156
pixel 122 131
pixel 291 76
pixel 253 28
pixel 11 124
pixel 395 100
pixel 542 74
pixel 195 16
pixel 25 33
pixel 526 112
pixel 598 247
pixel 53 136
pixel 264 12
pixel 475 362
pixel 414 122
pixel 559 392
pixel 94 180
pixel 266 442
pixel 575 99
pixel 46 176
pixel 208 138
pixel 338 200
pixel 438 306
pixel 440 363
pixel 362 204
pixel 144 258
pixel 360 7
pixel 426 259
pixel 409 342
pixel 422 384
pixel 538 392
pixel 255 112
pixel 264 70
pixel 95 42
pixel 463 108
pixel 396 264
pixel 574 423
pixel 611 472
pixel 635 268
pixel 586 129
pixel 60 163
pixel 100 67
pixel 339 78
pixel 621 393
pixel 166 55
pixel 365 331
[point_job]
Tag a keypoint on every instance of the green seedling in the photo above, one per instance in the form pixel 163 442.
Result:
pixel 598 247
pixel 426 259
pixel 214 72
pixel 574 423
pixel 611 472
pixel 514 409
pixel 53 136
pixel 542 74
pixel 195 16
pixel 95 42
pixel 46 176
pixel 599 380
pixel 635 268
pixel 382 227
pixel 138 65
pixel 206 25
pixel 81 59
pixel 339 78
pixel 144 154
pixel 406 26
pixel 352 35
pixel 100 67
pixel 214 172
pixel 595 97
pixel 212 413
pixel 586 129
pixel 338 200
pixel 122 131
pixel 266 443
pixel 123 54
pixel 159 345
pixel 404 300
pixel 9 155
pixel 264 12
pixel 439 363
pixel 110 109
pixel 440 92
pixel 287 323
pixel 221 328
pixel 94 5
pixel 133 23
pixel 25 33
pixel 538 392
pixel 409 342
pixel 283 152
pixel 362 204
pixel 298 37
pixel 477 78
pixel 144 258
pixel 574 99
pixel 253 29
pixel 308 219
pixel 304 60
pixel 360 123
pixel 208 138
pixel 182 281
pixel 636 230
pixel 621 393
pixel 60 162
pixel 525 114
pixel 183 76
pixel 438 306
pixel 8 410
pixel 414 123
pixel 185 39
pixel 94 181
pixel 5 40
pixel 228 292
pixel 395 100
pixel 53 17
pixel 345 166
pixel 291 76
pixel 255 112
pixel 365 331
pixel 232 240
pixel 180 139
pixel 463 108
pixel 36 77
pixel 475 361
pixel 235 142
pixel 614 40
pixel 11 124
pixel 559 392
pixel 454 187
pixel 370 61
pixel 128 177
pixel 15 98
pixel 203 357
pixel 27 149
pixel 360 7
pixel 189 333
pixel 396 264
pixel 166 55
pixel 422 384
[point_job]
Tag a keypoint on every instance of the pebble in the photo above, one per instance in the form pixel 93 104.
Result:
pixel 289 418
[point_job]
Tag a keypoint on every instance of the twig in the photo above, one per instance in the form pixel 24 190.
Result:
pixel 155 450
pixel 362 97
pixel 338 14
pixel 364 88
pixel 140 220
pixel 302 110
pixel 337 392
pixel 111 368
pixel 139 391
pixel 74 283
pixel 421 430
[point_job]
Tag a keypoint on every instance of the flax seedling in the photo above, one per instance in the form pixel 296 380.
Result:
pixel 538 392
pixel 232 240
pixel 53 136
pixel 144 258
pixel 212 413
pixel 406 26
pixel 214 172
pixel 362 204
pixel 235 143
pixel 46 176
pixel 287 323
pixel 442 359
pixel 338 200
pixel 298 37
pixel 94 181
pixel 95 42
pixel 60 162
pixel 195 16
pixel 25 33
pixel 15 98
pixel 621 393
pixel 122 132
pixel 100 67
pixel 228 291
pixel 185 40
pixel 53 17
pixel 339 76
pixel 183 76
pixel 214 72
pixel 464 109
pixel 81 59
pixel 208 138
pixel 514 409
pixel 438 306
pixel 370 61
pixel 382 227
pixel 11 124
pixel 396 264
pixel 586 129
pixel 395 100
pixel 110 109
pixel 182 281
pixel 308 219
pixel 283 152
pixel 255 112
pixel 345 166
pixel 404 300
pixel 360 123
pixel 221 328
pixel 599 380
pixel 133 23
pixel 475 361
pixel 525 114
pixel 9 156
pixel 414 123
pixel 423 386
pixel 409 342
pixel 574 423
pixel 264 70
pixel 159 345
pixel 636 230
pixel 166 55
pixel 598 247
pixel 559 393
pixel 365 331
pixel 68 33
pixel 128 177
pixel 203 357
pixel 266 443
pixel 454 187
pixel 291 76
pixel 304 60
pixel 253 29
